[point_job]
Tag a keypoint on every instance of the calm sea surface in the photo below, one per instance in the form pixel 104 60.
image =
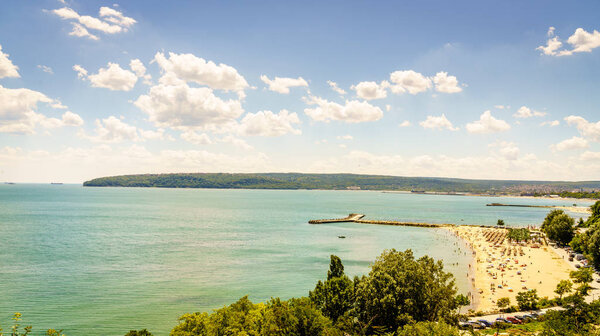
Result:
pixel 102 261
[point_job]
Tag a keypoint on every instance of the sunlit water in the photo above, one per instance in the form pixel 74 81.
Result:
pixel 102 261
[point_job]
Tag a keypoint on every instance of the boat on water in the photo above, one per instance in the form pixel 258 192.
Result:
pixel 59 183
pixel 9 182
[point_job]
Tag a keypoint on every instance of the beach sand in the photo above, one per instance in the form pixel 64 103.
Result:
pixel 502 269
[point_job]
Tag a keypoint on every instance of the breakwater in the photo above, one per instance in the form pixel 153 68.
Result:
pixel 358 218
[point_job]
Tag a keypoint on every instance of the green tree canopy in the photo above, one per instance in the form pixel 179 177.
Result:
pixel 561 227
pixel 401 289
pixel 335 296
pixel 429 329
pixel 528 300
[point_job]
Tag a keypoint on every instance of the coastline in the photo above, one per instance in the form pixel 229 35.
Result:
pixel 496 273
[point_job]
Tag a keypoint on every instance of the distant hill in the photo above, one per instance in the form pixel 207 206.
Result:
pixel 338 182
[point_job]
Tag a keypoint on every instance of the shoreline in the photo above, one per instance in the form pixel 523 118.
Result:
pixel 495 273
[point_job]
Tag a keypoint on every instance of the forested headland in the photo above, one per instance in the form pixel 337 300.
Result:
pixel 337 182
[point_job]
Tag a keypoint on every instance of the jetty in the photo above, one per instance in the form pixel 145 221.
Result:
pixel 358 218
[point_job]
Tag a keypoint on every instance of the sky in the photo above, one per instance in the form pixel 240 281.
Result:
pixel 467 89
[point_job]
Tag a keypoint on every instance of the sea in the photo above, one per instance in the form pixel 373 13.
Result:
pixel 103 261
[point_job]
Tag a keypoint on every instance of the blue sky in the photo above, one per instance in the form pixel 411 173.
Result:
pixel 418 79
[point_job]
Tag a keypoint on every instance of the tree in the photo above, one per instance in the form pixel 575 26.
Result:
pixel 519 234
pixel 528 300
pixel 563 287
pixel 461 301
pixel 582 277
pixel 503 303
pixel 400 290
pixel 561 228
pixel 500 222
pixel 335 296
pixel 429 329
pixel 142 332
pixel 550 216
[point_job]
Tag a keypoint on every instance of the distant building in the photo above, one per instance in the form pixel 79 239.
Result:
pixel 353 188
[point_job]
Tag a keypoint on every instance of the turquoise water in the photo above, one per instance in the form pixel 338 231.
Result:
pixel 102 261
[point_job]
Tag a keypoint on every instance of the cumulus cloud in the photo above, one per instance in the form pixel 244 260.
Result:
pixel 570 144
pixel 587 129
pixel 113 77
pixel 371 90
pixel 18 112
pixel 445 83
pixel 580 41
pixel 111 21
pixel 353 111
pixel 441 122
pixel 114 130
pixel 75 164
pixel 45 69
pixel 283 84
pixel 236 142
pixel 190 68
pixel 409 81
pixel 405 123
pixel 345 137
pixel 551 123
pixel 140 71
pixel 183 107
pixel 507 150
pixel 526 112
pixel 334 86
pixel 196 138
pixel 590 156
pixel 487 124
pixel 7 68
pixel 267 123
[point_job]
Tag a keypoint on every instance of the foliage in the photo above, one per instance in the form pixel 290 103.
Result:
pixel 519 234
pixel 428 328
pixel 578 319
pixel 500 222
pixel 563 287
pixel 16 330
pixel 528 300
pixel 582 277
pixel 559 227
pixel 323 181
pixel 462 300
pixel 401 290
pixel 142 332
pixel 276 317
pixel 503 302
pixel 335 296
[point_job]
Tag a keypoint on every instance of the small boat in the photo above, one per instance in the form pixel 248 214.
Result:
pixel 341 237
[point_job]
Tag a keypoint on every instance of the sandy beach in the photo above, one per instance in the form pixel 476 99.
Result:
pixel 502 269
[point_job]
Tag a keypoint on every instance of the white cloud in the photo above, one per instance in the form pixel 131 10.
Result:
pixel 526 112
pixel 45 69
pixel 570 144
pixel 81 72
pixel 236 142
pixel 409 80
pixel 113 77
pixel 352 111
pixel 80 31
pixel 551 123
pixel 440 122
pixel 7 68
pixel 371 90
pixel 405 123
pixel 550 32
pixel 18 111
pixel 587 129
pixel 283 84
pixel 345 137
pixel 445 83
pixel 76 165
pixel 195 138
pixel 112 22
pixel 487 124
pixel 140 71
pixel 267 123
pixel 114 130
pixel 189 68
pixel 184 107
pixel 580 41
pixel 388 107
pixel 500 107
pixel 590 156
pixel 507 150
pixel 336 88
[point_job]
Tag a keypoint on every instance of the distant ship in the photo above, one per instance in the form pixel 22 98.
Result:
pixel 9 182
pixel 55 182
